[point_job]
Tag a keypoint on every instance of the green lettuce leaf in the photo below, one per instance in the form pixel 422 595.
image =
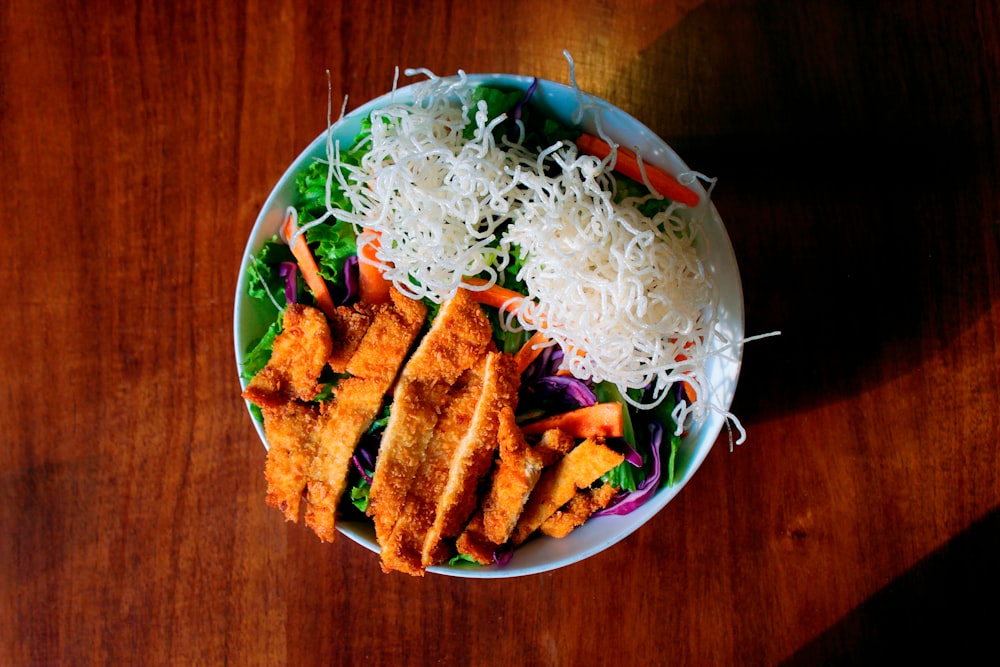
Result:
pixel 262 273
pixel 497 102
pixel 259 352
pixel 331 245
pixel 359 494
pixel 624 476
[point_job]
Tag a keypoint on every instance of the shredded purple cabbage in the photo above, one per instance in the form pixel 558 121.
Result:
pixel 679 392
pixel 289 271
pixel 365 456
pixel 631 455
pixel 629 501
pixel 566 389
pixel 364 461
pixel 361 468
pixel 503 554
pixel 545 364
pixel 516 113
pixel 351 281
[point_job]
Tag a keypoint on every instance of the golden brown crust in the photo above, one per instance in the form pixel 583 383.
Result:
pixel 516 474
pixel 298 356
pixel 578 469
pixel 474 543
pixel 444 492
pixel 458 336
pixel 403 548
pixel 347 328
pixel 355 405
pixel 291 433
pixel 475 452
pixel 452 412
pixel 553 445
pixel 576 512
pixel 388 338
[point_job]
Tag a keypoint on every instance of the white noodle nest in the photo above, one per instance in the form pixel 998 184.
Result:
pixel 625 296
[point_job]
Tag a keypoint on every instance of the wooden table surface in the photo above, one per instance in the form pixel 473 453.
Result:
pixel 856 147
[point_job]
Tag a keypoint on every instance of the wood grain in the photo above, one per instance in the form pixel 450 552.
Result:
pixel 856 147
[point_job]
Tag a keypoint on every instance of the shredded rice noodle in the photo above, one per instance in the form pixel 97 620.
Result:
pixel 625 296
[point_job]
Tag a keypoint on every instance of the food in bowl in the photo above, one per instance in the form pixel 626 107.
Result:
pixel 484 324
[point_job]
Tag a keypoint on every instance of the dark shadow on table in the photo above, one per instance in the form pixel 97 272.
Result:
pixel 946 609
pixel 855 154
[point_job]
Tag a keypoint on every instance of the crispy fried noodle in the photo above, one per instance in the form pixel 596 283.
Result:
pixel 625 295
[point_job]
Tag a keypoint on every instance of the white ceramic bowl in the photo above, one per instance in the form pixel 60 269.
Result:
pixel 560 102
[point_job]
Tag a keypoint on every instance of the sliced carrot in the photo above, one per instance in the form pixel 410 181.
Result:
pixel 372 284
pixel 494 295
pixel 689 391
pixel 628 164
pixel 688 388
pixel 307 265
pixel 530 351
pixel 604 419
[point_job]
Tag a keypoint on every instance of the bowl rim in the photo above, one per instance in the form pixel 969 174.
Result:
pixel 721 263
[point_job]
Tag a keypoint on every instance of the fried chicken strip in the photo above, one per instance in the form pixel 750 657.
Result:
pixel 517 471
pixel 474 455
pixel 356 403
pixel 386 341
pixel 291 430
pixel 553 445
pixel 516 475
pixel 474 543
pixel 578 469
pixel 347 327
pixel 444 492
pixel 576 512
pixel 402 550
pixel 281 390
pixel 298 356
pixel 458 336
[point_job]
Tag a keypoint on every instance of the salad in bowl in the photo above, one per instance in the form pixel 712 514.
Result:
pixel 486 326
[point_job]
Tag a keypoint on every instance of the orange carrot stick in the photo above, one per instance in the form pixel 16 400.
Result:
pixel 307 265
pixel 628 164
pixel 600 419
pixel 495 295
pixel 689 391
pixel 372 284
pixel 530 351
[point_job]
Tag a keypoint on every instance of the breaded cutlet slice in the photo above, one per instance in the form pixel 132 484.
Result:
pixel 518 469
pixel 298 356
pixel 516 474
pixel 356 403
pixel 388 338
pixel 578 469
pixel 474 455
pixel 347 328
pixel 402 550
pixel 458 336
pixel 553 445
pixel 290 430
pixel 576 512
pixel 474 543
pixel 445 490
